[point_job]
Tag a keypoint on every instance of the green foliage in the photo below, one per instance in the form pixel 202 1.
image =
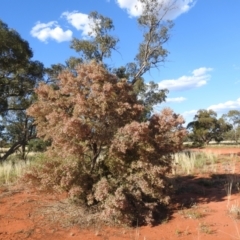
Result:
pixel 207 127
pixel 149 94
pixel 156 33
pixel 18 74
pixel 233 118
pixel 37 145
pixel 101 45
pixel 18 77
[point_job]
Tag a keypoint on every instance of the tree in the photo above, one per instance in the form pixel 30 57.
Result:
pixel 233 117
pixel 93 103
pixel 102 119
pixel 19 76
pixel 207 127
pixel 156 33
pixel 151 53
pixel 122 161
pixel 102 44
pixel 18 130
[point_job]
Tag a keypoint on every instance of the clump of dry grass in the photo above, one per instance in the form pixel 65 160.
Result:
pixel 10 171
pixel 191 213
pixel 234 210
pixel 194 212
pixel 13 168
pixel 205 228
pixel 192 162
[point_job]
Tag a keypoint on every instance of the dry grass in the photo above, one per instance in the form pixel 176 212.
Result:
pixel 191 213
pixel 194 212
pixel 205 228
pixel 11 171
pixel 234 210
pixel 192 162
pixel 13 168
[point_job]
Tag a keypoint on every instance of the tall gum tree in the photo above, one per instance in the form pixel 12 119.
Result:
pixel 19 76
pixel 151 52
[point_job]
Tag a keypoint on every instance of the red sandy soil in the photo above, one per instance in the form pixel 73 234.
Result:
pixel 199 211
pixel 219 150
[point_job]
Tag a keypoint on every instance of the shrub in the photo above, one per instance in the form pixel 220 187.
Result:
pixel 37 145
pixel 102 153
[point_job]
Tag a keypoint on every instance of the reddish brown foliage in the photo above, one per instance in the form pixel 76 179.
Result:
pixel 122 162
pixel 86 110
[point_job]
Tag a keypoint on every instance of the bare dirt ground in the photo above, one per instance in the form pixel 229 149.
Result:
pixel 203 207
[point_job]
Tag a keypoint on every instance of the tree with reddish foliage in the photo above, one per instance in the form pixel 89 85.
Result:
pixel 83 114
pixel 107 148
pixel 122 161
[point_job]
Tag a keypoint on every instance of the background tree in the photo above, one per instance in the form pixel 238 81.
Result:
pixel 18 130
pixel 207 127
pixel 19 76
pixel 55 69
pixel 101 44
pixel 155 34
pixel 233 117
pixel 151 53
pixel 38 145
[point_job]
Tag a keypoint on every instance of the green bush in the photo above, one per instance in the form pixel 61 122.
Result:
pixel 38 145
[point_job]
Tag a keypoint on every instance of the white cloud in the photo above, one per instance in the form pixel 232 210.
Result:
pixel 50 30
pixel 134 7
pixel 189 113
pixel 220 108
pixel 176 100
pixel 198 78
pixel 78 20
pixel 226 106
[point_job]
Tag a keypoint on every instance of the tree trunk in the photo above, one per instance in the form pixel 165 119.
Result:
pixel 10 151
pixel 96 153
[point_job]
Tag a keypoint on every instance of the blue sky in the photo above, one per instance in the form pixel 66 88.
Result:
pixel 202 70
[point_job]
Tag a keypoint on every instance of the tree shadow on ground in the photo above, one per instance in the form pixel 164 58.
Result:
pixel 189 191
pixel 200 190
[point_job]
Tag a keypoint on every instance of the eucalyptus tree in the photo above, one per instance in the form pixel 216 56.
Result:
pixel 206 127
pixel 233 117
pixel 101 44
pixel 151 52
pixel 19 75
